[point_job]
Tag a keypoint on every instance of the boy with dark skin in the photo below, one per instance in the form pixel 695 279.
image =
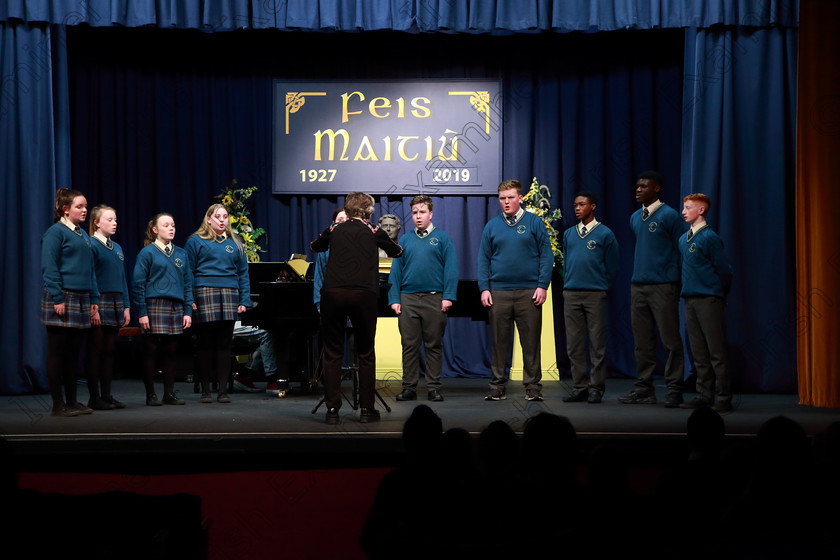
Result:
pixel 591 265
pixel 655 292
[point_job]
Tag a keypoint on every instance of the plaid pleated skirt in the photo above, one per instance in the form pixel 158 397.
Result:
pixel 215 304
pixel 166 316
pixel 111 309
pixel 76 310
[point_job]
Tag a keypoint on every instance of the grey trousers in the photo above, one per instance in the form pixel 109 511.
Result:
pixel 706 326
pixel 421 322
pixel 515 307
pixel 657 307
pixel 585 315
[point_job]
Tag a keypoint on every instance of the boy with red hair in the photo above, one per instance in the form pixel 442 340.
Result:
pixel 706 279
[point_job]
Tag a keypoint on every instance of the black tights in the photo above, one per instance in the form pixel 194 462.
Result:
pixel 64 344
pixel 214 354
pixel 160 350
pixel 102 345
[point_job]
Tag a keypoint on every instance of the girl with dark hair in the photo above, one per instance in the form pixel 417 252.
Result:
pixel 161 293
pixel 70 298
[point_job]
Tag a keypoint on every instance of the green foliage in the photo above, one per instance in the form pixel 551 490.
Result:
pixel 234 199
pixel 538 202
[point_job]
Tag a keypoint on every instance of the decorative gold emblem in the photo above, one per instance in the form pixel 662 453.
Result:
pixel 480 101
pixel 652 227
pixel 591 244
pixel 520 229
pixel 295 100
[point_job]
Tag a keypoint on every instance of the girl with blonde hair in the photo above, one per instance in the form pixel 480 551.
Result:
pixel 222 292
pixel 114 304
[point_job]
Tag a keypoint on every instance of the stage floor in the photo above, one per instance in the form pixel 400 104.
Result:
pixel 257 430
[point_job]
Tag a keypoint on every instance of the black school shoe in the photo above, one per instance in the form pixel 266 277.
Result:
pixel 369 415
pixel 434 395
pixel 673 400
pixel 696 402
pixel 111 400
pixel 577 396
pixel 170 398
pixel 332 416
pixel 495 395
pixel 640 397
pixel 100 403
pixel 64 411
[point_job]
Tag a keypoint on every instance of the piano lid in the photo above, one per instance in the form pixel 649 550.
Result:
pixel 260 272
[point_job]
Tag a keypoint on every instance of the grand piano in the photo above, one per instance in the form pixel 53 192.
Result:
pixel 283 294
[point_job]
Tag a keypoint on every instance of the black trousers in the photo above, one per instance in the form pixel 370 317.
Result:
pixel 337 305
pixel 657 307
pixel 705 322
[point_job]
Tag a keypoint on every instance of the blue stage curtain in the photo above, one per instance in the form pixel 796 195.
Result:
pixel 472 16
pixel 34 162
pixel 739 148
pixel 577 129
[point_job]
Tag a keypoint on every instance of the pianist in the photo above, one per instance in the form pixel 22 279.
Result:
pixel 338 217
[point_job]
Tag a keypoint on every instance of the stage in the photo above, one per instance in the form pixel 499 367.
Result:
pixel 266 469
pixel 258 431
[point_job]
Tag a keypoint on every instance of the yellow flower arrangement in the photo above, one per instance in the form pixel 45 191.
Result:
pixel 537 202
pixel 234 199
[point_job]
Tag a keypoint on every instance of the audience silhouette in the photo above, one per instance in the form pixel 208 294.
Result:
pixel 405 514
pixel 501 495
pixel 778 513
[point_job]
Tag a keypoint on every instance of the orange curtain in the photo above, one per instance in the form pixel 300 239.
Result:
pixel 818 204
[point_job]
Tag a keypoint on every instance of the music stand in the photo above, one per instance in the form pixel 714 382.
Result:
pixel 351 373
